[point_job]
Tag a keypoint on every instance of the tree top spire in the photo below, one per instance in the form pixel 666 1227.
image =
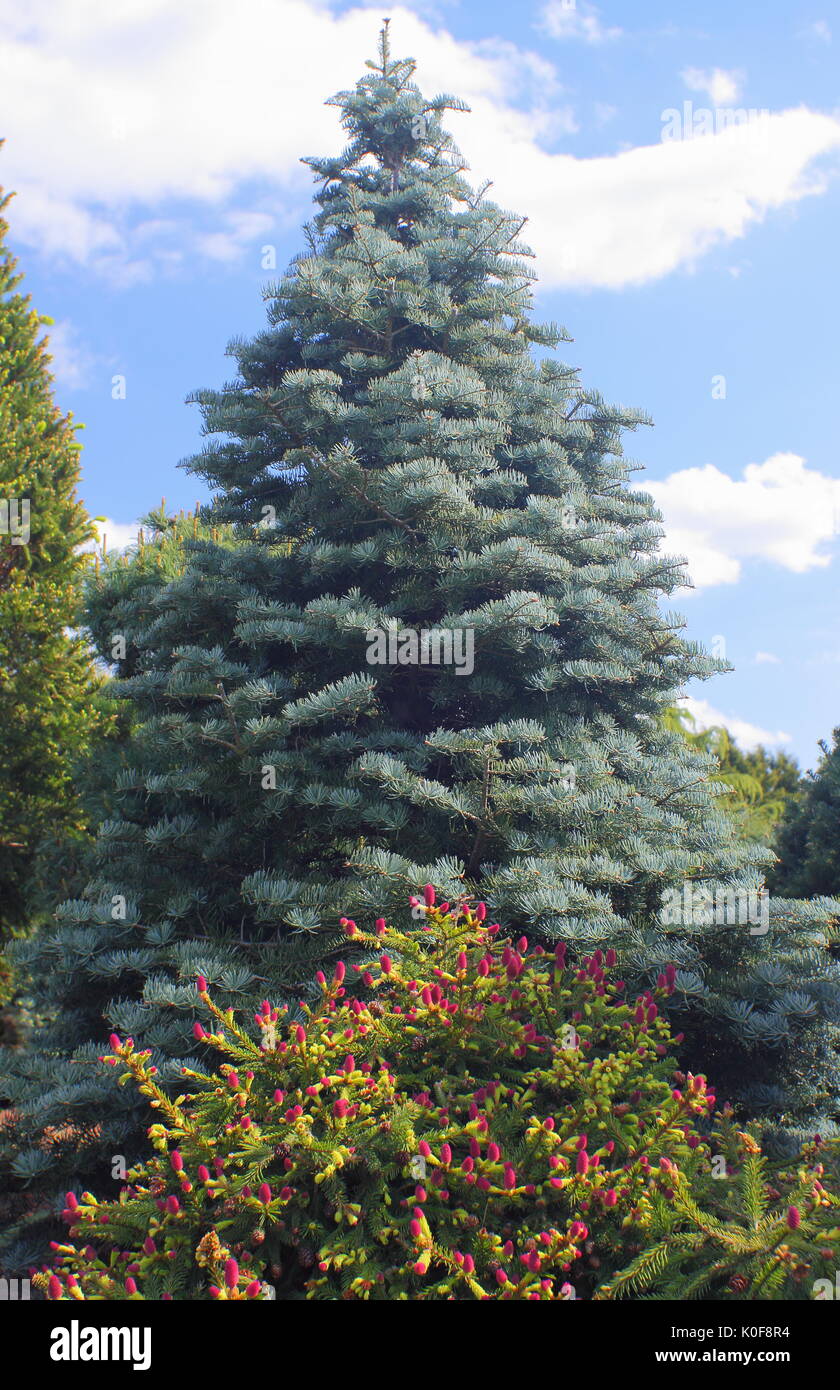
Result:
pixel 385 46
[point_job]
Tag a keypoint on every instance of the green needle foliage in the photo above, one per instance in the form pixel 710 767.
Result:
pixel 739 1230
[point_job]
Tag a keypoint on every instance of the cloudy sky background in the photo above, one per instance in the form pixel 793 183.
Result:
pixel 154 148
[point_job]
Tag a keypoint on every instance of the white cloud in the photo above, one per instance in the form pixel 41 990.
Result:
pixel 117 535
pixel 192 119
pixel 766 659
pixel 566 19
pixel 778 511
pixel 633 217
pixel 747 735
pixel 241 228
pixel 71 363
pixel 820 29
pixel 722 86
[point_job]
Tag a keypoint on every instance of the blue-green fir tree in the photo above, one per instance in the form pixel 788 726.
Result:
pixel 402 451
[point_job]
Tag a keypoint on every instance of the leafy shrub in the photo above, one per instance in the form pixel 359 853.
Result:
pixel 738 1229
pixel 473 1119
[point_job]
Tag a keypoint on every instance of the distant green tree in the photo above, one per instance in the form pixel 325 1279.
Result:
pixel 808 840
pixel 760 784
pixel 49 711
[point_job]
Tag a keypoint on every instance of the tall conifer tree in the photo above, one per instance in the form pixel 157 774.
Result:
pixel 47 706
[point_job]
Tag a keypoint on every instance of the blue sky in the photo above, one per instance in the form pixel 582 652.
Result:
pixel 689 249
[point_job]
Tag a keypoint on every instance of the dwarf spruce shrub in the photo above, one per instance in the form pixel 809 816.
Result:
pixel 454 1116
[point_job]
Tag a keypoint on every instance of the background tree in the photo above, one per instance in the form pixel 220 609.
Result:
pixel 808 840
pixel 759 784
pixel 48 709
pixel 392 456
